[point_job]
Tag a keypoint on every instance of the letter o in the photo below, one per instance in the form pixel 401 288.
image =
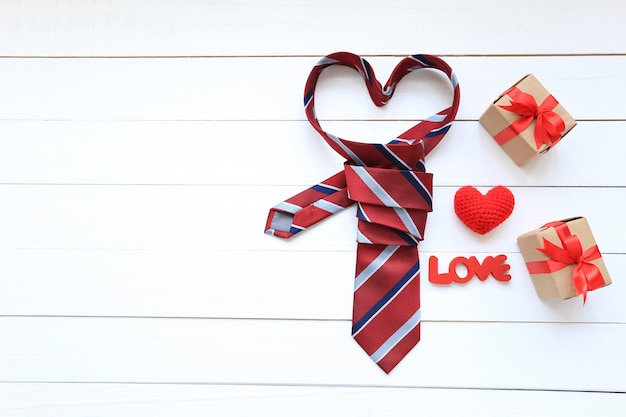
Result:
pixel 460 260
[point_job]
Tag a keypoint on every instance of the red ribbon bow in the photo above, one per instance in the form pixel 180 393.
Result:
pixel 549 126
pixel 586 276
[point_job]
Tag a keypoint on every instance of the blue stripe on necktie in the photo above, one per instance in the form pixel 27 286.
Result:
pixel 307 98
pixel 368 71
pixel 438 132
pixel 295 229
pixel 397 162
pixel 409 239
pixel 386 298
pixel 421 189
pixel 401 140
pixel 360 213
pixel 422 60
pixel 320 188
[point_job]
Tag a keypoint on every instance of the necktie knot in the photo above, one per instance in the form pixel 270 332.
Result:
pixel 392 203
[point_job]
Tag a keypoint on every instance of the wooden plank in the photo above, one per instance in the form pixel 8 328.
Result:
pixel 267 284
pixel 272 88
pixel 33 400
pixel 268 153
pixel 37 27
pixel 450 355
pixel 233 218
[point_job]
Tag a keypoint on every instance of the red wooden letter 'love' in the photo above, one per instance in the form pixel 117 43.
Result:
pixel 497 267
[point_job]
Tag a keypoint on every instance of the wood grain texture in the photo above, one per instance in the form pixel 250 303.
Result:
pixel 192 283
pixel 309 352
pixel 202 153
pixel 196 88
pixel 142 144
pixel 225 218
pixel 267 27
pixel 31 399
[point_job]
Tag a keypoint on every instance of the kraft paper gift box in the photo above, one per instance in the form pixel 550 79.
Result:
pixel 526 120
pixel 563 259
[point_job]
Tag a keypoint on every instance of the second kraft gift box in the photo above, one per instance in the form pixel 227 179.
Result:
pixel 563 259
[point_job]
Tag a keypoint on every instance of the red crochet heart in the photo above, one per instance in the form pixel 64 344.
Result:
pixel 483 213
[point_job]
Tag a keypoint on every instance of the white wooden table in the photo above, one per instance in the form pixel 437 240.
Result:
pixel 142 143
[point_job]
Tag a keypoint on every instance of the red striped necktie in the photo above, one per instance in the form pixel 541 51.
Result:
pixel 393 194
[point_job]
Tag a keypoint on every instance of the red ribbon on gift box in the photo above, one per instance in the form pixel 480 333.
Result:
pixel 586 276
pixel 549 126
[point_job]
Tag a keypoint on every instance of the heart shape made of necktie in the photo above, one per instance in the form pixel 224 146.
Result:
pixel 393 193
